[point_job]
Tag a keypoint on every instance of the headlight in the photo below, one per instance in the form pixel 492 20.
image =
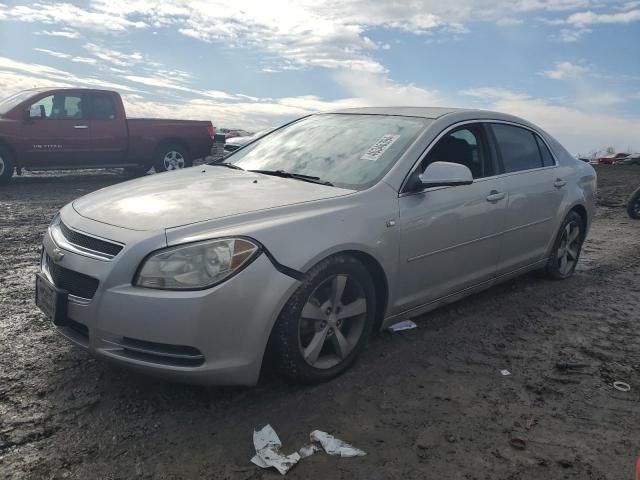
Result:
pixel 55 220
pixel 196 265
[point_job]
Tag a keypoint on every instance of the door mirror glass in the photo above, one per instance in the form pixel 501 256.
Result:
pixel 445 174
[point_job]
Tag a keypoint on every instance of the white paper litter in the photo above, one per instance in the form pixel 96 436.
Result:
pixel 308 450
pixel 404 325
pixel 506 373
pixel 335 446
pixel 267 445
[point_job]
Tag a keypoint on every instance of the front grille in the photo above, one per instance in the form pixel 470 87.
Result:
pixel 75 283
pixel 90 243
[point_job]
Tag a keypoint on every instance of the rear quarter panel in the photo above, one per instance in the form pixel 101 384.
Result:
pixel 581 185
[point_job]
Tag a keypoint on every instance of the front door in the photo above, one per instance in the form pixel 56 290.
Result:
pixel 450 236
pixel 56 134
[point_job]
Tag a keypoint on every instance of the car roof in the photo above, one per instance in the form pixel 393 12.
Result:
pixel 435 113
pixel 425 112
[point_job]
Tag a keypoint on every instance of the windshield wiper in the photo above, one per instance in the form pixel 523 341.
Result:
pixel 224 164
pixel 296 176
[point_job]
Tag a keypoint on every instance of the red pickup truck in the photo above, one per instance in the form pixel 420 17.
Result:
pixel 62 128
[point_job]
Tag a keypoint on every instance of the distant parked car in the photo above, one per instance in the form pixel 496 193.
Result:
pixel 303 247
pixel 232 144
pixel 610 159
pixel 233 133
pixel 633 159
pixel 43 129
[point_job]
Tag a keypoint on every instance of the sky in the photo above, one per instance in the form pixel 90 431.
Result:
pixel 570 66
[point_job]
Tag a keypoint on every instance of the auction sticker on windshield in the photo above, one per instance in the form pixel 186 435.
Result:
pixel 377 149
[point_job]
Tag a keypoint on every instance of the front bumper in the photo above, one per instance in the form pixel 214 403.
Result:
pixel 213 336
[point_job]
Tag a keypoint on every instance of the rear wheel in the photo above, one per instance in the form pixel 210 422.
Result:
pixel 6 166
pixel 566 249
pixel 172 157
pixel 325 324
pixel 633 205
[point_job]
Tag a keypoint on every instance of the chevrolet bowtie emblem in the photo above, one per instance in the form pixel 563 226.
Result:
pixel 57 254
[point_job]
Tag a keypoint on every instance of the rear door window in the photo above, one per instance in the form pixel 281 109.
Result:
pixel 547 158
pixel 518 148
pixel 101 106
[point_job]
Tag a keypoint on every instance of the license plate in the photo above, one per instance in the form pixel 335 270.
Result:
pixel 51 300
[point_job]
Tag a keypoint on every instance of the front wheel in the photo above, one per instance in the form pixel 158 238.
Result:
pixel 172 157
pixel 6 166
pixel 566 249
pixel 325 324
pixel 633 205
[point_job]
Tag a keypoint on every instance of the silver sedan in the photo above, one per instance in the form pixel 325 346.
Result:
pixel 309 239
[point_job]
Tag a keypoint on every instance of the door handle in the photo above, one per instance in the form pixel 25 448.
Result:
pixel 559 183
pixel 80 127
pixel 495 196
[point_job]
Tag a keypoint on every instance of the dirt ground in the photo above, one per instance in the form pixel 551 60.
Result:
pixel 429 403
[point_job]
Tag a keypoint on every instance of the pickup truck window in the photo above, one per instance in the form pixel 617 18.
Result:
pixel 59 106
pixel 101 106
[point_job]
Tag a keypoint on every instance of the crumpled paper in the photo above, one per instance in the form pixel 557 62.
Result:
pixel 268 445
pixel 335 446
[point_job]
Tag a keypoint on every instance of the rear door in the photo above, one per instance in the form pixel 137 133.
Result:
pixel 536 192
pixel 57 134
pixel 109 135
pixel 450 236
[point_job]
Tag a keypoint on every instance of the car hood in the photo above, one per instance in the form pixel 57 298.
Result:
pixel 194 195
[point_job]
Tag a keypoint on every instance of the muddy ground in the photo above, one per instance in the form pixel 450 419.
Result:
pixel 430 403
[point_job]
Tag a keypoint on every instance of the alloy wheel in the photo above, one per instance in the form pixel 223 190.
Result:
pixel 569 248
pixel 332 321
pixel 173 160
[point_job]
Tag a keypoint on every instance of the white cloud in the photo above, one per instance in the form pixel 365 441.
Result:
pixel 301 34
pixel 42 75
pixel 60 13
pixel 53 53
pixel 566 70
pixel 569 35
pixel 60 33
pixel 114 57
pixel 590 18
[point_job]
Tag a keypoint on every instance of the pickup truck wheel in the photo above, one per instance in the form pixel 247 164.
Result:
pixel 172 157
pixel 6 166
pixel 136 171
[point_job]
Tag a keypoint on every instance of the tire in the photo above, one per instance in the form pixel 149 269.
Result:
pixel 6 166
pixel 564 257
pixel 172 156
pixel 633 205
pixel 135 171
pixel 295 334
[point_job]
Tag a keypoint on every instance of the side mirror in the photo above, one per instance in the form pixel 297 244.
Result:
pixel 445 174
